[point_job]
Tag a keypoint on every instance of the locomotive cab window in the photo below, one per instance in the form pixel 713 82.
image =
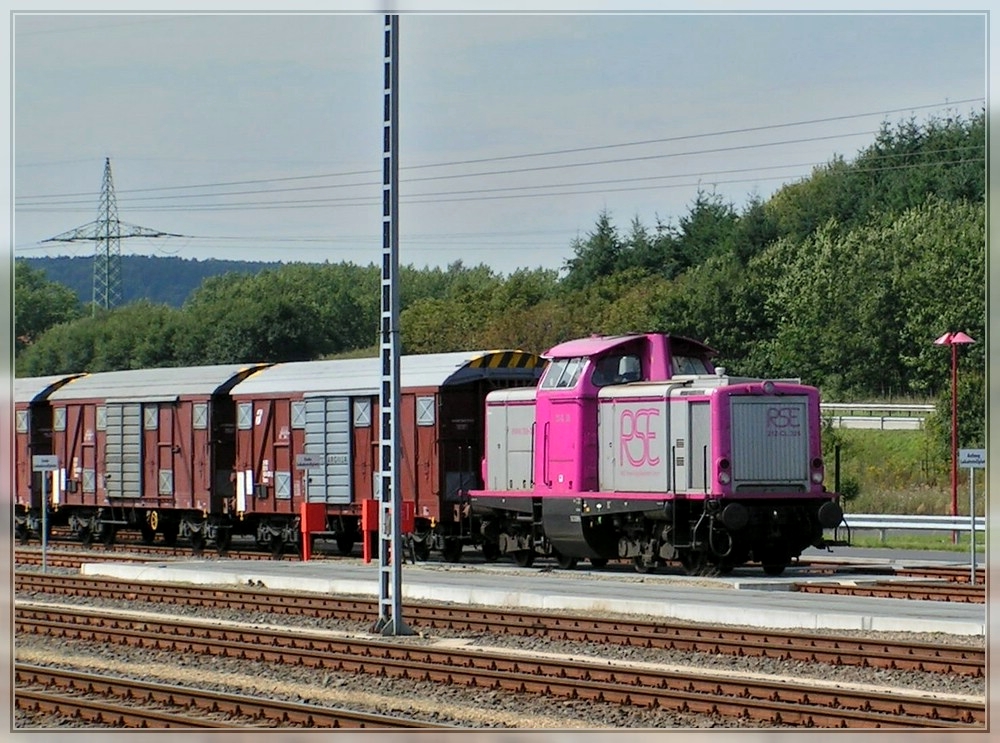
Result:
pixel 563 373
pixel 616 369
pixel 688 365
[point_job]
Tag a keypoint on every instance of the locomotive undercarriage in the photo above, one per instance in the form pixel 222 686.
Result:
pixel 706 537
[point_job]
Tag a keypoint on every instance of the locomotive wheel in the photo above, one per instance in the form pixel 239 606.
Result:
pixel 524 558
pixel 345 544
pixel 599 562
pixel 693 562
pixel 565 562
pixel 491 551
pixel 642 565
pixel 773 568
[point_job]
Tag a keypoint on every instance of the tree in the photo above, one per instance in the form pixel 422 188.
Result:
pixel 39 304
pixel 596 257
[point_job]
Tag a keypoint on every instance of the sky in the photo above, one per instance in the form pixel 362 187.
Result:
pixel 255 135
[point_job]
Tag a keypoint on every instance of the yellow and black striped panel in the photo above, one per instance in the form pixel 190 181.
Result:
pixel 508 360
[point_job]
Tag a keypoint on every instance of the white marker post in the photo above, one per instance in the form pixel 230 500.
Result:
pixel 45 463
pixel 973 459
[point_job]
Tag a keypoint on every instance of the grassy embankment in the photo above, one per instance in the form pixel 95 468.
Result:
pixel 895 472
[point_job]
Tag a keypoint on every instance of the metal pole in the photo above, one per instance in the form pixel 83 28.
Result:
pixel 45 519
pixel 390 556
pixel 972 524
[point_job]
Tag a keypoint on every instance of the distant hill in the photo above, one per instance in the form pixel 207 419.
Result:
pixel 160 279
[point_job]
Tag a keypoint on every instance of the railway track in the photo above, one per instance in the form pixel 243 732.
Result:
pixel 773 701
pixel 130 703
pixel 665 635
pixel 918 591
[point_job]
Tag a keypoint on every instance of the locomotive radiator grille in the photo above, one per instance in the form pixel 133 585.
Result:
pixel 770 441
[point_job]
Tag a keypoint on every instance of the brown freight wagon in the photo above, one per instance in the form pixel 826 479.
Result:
pixel 329 410
pixel 145 449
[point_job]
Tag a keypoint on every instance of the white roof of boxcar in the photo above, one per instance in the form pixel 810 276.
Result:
pixel 152 385
pixel 29 389
pixel 364 376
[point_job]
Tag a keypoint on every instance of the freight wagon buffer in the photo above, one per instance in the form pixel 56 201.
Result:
pixel 329 410
pixel 145 449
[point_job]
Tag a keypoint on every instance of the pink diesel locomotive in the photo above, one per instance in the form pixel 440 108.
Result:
pixel 637 447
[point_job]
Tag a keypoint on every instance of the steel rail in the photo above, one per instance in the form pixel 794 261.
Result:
pixel 133 694
pixel 685 637
pixel 775 701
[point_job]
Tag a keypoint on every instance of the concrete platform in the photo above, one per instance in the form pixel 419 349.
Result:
pixel 744 598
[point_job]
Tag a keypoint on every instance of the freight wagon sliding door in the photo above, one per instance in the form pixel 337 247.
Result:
pixel 123 451
pixel 328 433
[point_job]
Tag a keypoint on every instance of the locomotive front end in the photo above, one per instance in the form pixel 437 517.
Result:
pixel 768 472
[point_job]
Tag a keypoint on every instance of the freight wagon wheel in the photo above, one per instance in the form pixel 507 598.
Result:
pixel 345 544
pixel 421 550
pixel 197 543
pixel 22 533
pixel 148 534
pixel 599 562
pixel 108 535
pixel 223 538
pixel 170 532
pixel 277 547
pixel 524 558
pixel 86 536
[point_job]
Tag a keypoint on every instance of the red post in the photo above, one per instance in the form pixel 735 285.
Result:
pixel 954 428
pixel 954 339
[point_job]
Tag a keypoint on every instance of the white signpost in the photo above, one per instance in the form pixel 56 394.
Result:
pixel 974 459
pixel 45 463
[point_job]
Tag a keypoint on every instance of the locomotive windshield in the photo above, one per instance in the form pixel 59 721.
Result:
pixel 563 373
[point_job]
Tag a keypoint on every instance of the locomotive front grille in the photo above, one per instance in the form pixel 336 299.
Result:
pixel 770 441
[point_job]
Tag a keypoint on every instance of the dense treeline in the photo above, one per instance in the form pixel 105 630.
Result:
pixel 161 279
pixel 843 279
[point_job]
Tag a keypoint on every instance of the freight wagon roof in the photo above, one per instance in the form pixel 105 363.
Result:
pixel 29 389
pixel 152 385
pixel 364 376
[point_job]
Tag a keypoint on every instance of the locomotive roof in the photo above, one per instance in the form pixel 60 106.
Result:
pixel 29 389
pixel 153 385
pixel 597 344
pixel 364 376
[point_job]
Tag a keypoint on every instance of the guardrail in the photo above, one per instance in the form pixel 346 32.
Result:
pixel 884 523
pixel 884 417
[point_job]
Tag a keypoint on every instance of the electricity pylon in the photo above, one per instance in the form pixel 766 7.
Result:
pixel 106 232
